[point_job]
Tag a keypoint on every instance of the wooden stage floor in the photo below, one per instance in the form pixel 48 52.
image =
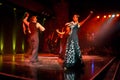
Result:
pixel 49 67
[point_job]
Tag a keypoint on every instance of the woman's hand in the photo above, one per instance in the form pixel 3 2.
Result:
pixel 26 14
pixel 91 12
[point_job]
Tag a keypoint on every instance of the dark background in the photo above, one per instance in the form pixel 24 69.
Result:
pixel 53 14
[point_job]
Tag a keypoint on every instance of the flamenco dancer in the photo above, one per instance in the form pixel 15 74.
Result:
pixel 73 57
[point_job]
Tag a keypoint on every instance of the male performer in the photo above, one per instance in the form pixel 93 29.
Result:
pixel 33 28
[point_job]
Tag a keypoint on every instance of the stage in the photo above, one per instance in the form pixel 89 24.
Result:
pixel 49 67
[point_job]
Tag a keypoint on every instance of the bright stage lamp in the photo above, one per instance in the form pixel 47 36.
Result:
pixel 98 17
pixel 113 15
pixel 117 15
pixel 109 16
pixel 105 16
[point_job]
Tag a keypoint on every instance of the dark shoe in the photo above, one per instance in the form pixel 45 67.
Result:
pixel 35 61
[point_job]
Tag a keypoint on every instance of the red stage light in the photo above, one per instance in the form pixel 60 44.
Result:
pixel 109 16
pixel 98 17
pixel 105 16
pixel 117 15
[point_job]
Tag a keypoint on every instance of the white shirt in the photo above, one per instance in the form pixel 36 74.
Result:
pixel 38 25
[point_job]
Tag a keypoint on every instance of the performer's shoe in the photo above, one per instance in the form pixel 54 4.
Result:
pixel 35 61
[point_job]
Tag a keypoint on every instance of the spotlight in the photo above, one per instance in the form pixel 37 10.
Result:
pixel 109 16
pixel 0 4
pixel 14 9
pixel 98 17
pixel 117 15
pixel 113 15
pixel 105 16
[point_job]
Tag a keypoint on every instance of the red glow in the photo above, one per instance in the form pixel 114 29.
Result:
pixel 105 16
pixel 117 15
pixel 109 16
pixel 98 17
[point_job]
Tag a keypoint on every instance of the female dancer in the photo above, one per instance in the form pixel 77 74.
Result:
pixel 73 57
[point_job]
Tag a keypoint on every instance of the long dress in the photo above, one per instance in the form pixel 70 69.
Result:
pixel 73 53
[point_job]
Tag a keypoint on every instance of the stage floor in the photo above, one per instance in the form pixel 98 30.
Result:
pixel 49 67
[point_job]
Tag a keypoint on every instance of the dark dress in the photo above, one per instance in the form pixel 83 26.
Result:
pixel 73 53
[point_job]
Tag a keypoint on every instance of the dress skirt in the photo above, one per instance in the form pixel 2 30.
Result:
pixel 73 54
